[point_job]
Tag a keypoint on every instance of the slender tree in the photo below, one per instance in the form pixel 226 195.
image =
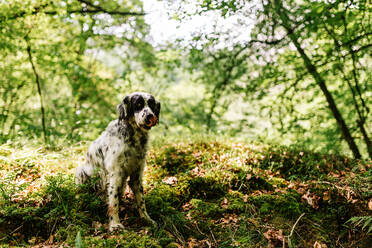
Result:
pixel 38 85
pixel 285 22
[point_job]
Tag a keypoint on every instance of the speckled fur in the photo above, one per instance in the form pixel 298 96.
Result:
pixel 119 153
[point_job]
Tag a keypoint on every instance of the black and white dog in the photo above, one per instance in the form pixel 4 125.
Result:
pixel 120 153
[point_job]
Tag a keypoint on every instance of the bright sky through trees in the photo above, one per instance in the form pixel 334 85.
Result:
pixel 165 28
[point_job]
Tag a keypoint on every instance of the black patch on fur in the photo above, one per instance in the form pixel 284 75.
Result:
pixel 100 153
pixel 126 154
pixel 132 141
pixel 137 102
pixel 134 178
pixel 125 109
pixel 157 109
pixel 143 140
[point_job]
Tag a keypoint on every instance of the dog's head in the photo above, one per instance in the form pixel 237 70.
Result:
pixel 142 108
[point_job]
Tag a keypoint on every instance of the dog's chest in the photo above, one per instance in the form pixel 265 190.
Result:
pixel 134 153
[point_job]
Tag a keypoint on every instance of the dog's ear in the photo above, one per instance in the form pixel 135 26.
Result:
pixel 157 109
pixel 125 109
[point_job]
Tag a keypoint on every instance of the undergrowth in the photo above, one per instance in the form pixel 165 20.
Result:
pixel 202 194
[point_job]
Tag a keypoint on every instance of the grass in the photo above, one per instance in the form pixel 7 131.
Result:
pixel 201 193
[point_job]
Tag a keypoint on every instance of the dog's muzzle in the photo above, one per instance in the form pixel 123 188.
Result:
pixel 151 120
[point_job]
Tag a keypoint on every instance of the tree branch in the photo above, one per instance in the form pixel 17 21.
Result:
pixel 350 42
pixel 84 10
pixel 267 42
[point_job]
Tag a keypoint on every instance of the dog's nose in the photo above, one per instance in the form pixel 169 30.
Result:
pixel 151 120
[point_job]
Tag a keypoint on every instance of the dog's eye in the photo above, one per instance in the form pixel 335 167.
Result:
pixel 139 105
pixel 151 103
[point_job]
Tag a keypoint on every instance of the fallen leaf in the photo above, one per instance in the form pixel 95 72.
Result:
pixel 249 176
pixel 319 245
pixel 225 203
pixel 198 172
pixel 370 204
pixel 326 196
pixel 50 239
pixel 311 199
pixel 170 180
pixel 192 242
pixel 275 237
pixel 187 206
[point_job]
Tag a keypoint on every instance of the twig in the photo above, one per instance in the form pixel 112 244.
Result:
pixel 291 233
pixel 12 232
pixel 178 234
pixel 332 184
pixel 197 227
pixel 214 239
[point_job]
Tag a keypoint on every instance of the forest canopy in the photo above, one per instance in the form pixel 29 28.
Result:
pixel 286 72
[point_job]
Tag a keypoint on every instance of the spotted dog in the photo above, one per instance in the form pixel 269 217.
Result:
pixel 120 153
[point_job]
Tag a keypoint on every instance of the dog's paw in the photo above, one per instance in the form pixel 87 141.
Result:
pixel 116 227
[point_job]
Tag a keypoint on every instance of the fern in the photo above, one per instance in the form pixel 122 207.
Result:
pixel 364 221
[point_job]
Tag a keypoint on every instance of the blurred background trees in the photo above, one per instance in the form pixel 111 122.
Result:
pixel 288 72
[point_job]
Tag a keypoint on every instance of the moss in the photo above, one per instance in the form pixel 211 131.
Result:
pixel 288 205
pixel 175 160
pixel 278 182
pixel 205 209
pixel 162 200
pixel 237 203
pixel 205 188
pixel 129 239
pixel 164 238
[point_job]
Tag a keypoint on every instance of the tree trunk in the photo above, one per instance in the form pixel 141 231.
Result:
pixel 37 81
pixel 319 80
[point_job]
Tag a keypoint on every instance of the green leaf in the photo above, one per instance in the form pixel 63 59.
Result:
pixel 79 241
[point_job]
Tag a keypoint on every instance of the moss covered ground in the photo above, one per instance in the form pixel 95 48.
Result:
pixel 202 194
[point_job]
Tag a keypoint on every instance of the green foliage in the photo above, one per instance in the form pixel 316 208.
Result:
pixel 267 75
pixel 363 222
pixel 8 187
pixel 76 88
pixel 255 88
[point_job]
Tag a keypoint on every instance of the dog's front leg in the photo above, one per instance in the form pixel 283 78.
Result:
pixel 135 184
pixel 114 187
